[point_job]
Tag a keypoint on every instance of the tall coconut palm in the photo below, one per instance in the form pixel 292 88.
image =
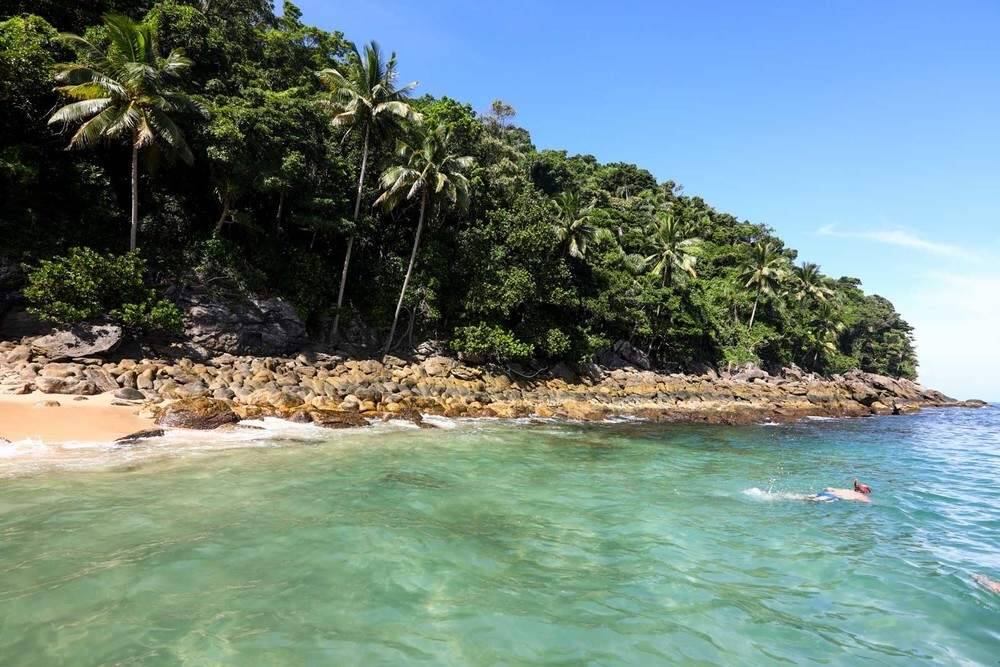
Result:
pixel 574 224
pixel 125 93
pixel 429 171
pixel 675 247
pixel 764 273
pixel 365 99
pixel 808 283
pixel 826 326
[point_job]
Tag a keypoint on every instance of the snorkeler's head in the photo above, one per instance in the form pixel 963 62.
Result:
pixel 862 488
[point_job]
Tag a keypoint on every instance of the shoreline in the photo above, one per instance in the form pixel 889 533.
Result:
pixel 334 392
pixel 67 419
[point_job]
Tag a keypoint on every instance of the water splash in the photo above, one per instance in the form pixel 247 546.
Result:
pixel 772 496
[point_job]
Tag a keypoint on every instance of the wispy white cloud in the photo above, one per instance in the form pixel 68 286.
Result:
pixel 901 238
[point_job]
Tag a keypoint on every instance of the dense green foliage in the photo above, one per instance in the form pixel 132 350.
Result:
pixel 515 252
pixel 483 342
pixel 87 286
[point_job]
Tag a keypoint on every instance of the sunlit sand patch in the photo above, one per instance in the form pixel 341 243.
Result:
pixel 36 417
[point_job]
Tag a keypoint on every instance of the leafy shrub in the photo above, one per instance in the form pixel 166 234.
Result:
pixel 747 344
pixel 483 342
pixel 840 363
pixel 555 343
pixel 219 260
pixel 86 285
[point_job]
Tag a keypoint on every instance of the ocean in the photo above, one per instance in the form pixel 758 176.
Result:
pixel 518 543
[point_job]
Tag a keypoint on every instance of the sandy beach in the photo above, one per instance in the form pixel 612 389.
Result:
pixel 94 419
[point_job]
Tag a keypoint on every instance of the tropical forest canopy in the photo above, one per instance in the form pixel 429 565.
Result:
pixel 227 144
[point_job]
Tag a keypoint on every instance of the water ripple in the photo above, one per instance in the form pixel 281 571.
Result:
pixel 487 543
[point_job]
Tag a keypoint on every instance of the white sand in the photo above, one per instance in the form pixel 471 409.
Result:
pixel 22 417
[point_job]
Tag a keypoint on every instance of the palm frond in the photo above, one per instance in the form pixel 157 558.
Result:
pixel 78 111
pixel 95 129
pixel 175 63
pixel 171 134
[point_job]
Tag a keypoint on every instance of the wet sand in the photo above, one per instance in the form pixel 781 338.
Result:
pixel 93 420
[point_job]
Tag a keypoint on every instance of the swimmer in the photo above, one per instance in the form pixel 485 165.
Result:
pixel 986 582
pixel 829 494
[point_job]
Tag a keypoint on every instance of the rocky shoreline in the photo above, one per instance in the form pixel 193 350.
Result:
pixel 336 392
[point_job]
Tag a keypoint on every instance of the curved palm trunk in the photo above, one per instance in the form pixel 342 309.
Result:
pixel 281 208
pixel 753 313
pixel 135 197
pixel 409 272
pixel 664 281
pixel 225 214
pixel 350 241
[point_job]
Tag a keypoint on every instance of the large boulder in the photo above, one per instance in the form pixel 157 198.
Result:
pixel 337 418
pixel 438 366
pixel 749 373
pixel 237 325
pixel 623 355
pixel 84 340
pixel 429 348
pixel 196 413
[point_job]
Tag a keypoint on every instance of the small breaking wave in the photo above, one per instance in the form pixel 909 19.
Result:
pixel 440 422
pixel 32 455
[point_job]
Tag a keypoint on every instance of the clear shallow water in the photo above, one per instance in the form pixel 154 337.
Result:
pixel 493 543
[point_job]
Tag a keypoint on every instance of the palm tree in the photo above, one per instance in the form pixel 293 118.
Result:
pixel 674 249
pixel 764 273
pixel 124 93
pixel 365 99
pixel 809 283
pixel 574 226
pixel 826 326
pixel 429 171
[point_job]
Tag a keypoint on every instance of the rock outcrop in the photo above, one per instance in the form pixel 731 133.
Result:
pixel 334 392
pixel 141 435
pixel 237 325
pixel 623 355
pixel 196 413
pixel 84 340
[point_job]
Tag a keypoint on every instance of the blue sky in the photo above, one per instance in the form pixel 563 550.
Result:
pixel 866 133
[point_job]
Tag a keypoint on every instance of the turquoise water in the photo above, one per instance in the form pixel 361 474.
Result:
pixel 492 543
